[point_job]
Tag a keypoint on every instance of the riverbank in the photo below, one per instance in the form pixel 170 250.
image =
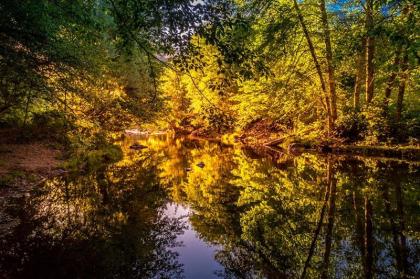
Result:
pixel 403 152
pixel 24 164
pixel 263 137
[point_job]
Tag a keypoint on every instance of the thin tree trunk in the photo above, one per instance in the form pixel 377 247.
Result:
pixel 370 52
pixel 4 108
pixel 28 100
pixel 393 76
pixel 316 62
pixel 330 66
pixel 401 87
pixel 331 211
pixel 359 75
pixel 359 79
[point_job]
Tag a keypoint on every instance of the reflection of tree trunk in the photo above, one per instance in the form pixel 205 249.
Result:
pixel 359 227
pixel 103 185
pixel 331 211
pixel 269 269
pixel 67 201
pixel 397 246
pixel 318 228
pixel 368 239
pixel 400 213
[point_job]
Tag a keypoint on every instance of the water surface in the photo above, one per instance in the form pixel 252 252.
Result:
pixel 198 209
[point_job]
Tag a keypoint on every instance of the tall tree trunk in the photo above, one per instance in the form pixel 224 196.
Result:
pixel 401 87
pixel 331 211
pixel 370 52
pixel 359 76
pixel 28 101
pixel 316 62
pixel 393 76
pixel 329 56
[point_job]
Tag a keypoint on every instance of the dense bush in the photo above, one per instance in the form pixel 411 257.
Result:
pixel 352 125
pixel 47 125
pixel 380 124
pixel 410 126
pixel 376 123
pixel 218 120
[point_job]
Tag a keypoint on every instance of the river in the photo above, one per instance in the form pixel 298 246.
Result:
pixel 198 209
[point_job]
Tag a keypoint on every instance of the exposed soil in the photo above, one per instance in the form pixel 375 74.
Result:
pixel 23 167
pixel 27 155
pixel 23 164
pixel 33 158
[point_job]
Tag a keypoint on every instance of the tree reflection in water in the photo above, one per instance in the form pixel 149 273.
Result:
pixel 108 224
pixel 270 215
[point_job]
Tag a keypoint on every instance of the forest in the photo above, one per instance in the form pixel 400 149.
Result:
pixel 79 72
pixel 209 139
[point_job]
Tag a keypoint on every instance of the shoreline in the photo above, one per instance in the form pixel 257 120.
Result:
pixel 400 152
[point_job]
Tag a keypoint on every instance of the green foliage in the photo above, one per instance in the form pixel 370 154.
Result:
pixel 50 124
pixel 218 66
pixel 274 78
pixel 409 128
pixel 376 124
pixel 218 120
pixel 93 160
pixel 199 98
pixel 379 122
pixel 352 125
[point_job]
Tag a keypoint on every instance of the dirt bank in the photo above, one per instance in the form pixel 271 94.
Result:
pixel 32 158
pixel 25 165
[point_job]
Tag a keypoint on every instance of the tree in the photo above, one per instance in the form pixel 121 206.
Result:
pixel 370 50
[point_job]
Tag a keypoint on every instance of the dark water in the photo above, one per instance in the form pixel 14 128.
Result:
pixel 244 214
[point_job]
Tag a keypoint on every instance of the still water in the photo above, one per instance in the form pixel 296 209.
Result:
pixel 197 209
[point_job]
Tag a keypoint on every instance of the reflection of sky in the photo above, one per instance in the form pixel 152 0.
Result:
pixel 196 256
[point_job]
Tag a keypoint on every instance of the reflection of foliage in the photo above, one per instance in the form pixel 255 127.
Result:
pixel 268 219
pixel 108 224
pixel 264 216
